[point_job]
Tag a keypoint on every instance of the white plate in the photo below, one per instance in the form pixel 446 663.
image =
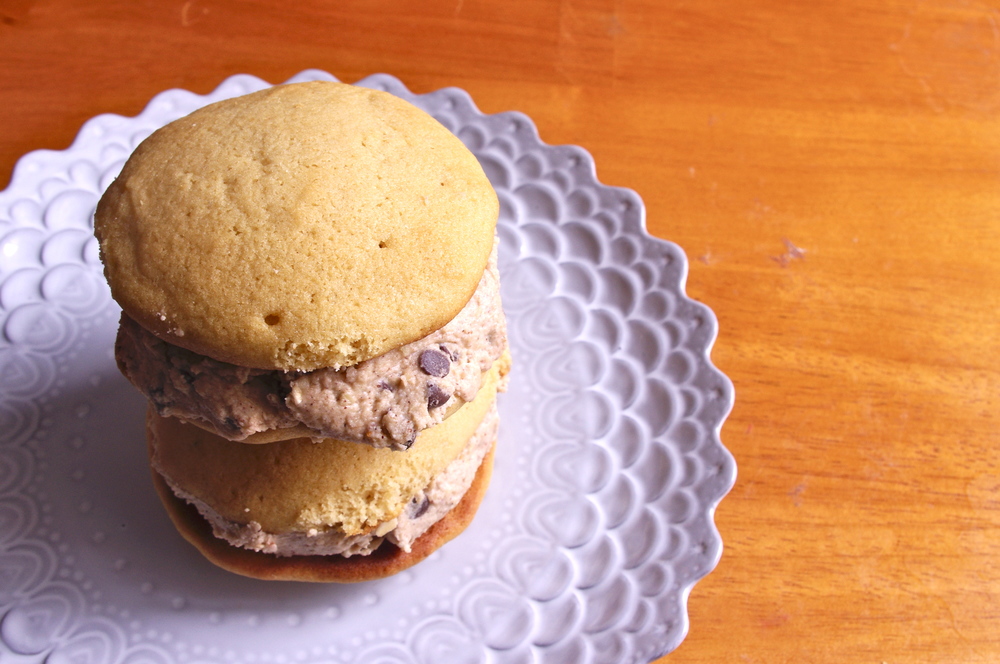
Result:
pixel 609 467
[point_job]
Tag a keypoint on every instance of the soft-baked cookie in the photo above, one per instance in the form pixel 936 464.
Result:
pixel 303 226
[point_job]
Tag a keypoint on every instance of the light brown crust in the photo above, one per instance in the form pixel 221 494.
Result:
pixel 302 226
pixel 385 561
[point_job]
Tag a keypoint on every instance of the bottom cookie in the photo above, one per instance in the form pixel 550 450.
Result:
pixel 385 561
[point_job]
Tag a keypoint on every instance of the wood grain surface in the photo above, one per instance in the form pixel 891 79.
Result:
pixel 832 170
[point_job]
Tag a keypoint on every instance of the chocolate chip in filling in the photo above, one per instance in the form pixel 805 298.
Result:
pixel 418 506
pixel 434 363
pixel 436 397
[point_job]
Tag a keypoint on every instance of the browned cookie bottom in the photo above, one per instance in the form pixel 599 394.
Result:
pixel 385 561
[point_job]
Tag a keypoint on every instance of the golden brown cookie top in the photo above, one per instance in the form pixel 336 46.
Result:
pixel 302 226
pixel 296 485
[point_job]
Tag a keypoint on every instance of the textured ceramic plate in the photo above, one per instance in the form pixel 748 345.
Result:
pixel 609 468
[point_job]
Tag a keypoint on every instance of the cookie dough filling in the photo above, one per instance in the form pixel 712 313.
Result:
pixel 384 401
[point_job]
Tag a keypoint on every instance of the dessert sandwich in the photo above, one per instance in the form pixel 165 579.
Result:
pixel 310 303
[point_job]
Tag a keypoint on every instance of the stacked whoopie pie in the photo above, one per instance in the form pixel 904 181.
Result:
pixel 311 304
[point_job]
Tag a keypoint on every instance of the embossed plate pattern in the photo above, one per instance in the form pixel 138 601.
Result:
pixel 599 518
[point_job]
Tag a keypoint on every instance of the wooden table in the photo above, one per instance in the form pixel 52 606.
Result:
pixel 832 170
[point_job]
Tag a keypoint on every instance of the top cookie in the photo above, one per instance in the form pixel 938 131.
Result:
pixel 303 226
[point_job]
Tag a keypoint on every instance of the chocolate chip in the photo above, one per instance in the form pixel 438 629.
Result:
pixel 436 397
pixel 410 439
pixel 232 424
pixel 452 354
pixel 434 363
pixel 418 506
pixel 383 385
